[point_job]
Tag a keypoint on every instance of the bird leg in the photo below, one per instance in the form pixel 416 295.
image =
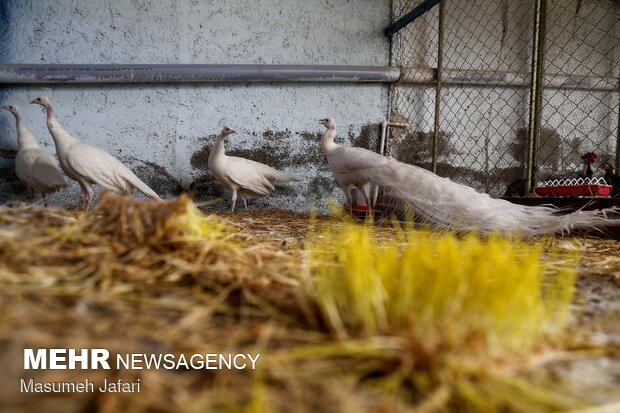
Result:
pixel 91 195
pixel 245 202
pixel 82 199
pixel 366 199
pixel 347 194
pixel 44 199
pixel 234 200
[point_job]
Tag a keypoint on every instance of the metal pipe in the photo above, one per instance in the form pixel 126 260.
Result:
pixel 383 133
pixel 618 134
pixel 408 18
pixel 436 125
pixel 382 142
pixel 35 73
pixel 106 73
pixel 384 126
pixel 496 78
pixel 536 91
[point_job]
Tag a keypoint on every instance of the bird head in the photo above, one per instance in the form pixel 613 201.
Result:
pixel 14 109
pixel 328 122
pixel 607 167
pixel 590 157
pixel 42 100
pixel 227 130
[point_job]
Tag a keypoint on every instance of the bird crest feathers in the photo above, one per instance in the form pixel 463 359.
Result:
pixel 223 123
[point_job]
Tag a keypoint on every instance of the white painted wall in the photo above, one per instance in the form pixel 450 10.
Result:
pixel 168 125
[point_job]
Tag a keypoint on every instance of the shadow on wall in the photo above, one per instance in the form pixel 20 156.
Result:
pixel 282 150
pixel 552 162
pixel 157 177
pixel 10 185
pixel 549 151
pixel 416 148
pixel 152 174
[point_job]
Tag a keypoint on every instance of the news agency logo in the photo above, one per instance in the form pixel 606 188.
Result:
pixel 99 358
pixel 63 359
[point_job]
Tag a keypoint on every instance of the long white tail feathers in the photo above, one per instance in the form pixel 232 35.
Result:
pixel 588 219
pixel 445 204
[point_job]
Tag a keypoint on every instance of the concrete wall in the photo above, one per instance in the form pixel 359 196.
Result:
pixel 164 132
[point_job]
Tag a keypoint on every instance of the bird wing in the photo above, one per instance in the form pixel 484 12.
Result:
pixel 105 170
pixel 613 179
pixel 99 167
pixel 46 173
pixel 272 174
pixel 345 160
pixel 23 166
pixel 354 166
pixel 249 175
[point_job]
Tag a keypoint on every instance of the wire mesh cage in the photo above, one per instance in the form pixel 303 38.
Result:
pixel 505 90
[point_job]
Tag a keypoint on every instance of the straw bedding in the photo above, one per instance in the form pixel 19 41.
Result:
pixel 137 276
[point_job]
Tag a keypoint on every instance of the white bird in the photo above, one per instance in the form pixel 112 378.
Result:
pixel 444 203
pixel 33 166
pixel 89 165
pixel 242 175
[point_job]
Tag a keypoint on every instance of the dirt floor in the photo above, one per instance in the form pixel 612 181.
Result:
pixel 66 281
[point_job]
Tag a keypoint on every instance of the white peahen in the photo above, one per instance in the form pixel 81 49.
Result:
pixel 241 175
pixel 89 165
pixel 33 166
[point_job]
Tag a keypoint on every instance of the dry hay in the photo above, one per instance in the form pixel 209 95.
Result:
pixel 147 277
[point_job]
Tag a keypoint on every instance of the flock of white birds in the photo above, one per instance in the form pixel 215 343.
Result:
pixel 438 201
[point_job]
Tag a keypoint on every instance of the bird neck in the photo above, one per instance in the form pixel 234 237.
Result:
pixel 61 137
pixel 49 110
pixel 218 149
pixel 327 140
pixel 24 137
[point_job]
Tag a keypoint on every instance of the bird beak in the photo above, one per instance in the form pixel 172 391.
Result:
pixel 33 102
pixel 322 121
pixel 4 107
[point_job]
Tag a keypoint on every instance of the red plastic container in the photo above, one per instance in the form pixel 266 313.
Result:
pixel 574 190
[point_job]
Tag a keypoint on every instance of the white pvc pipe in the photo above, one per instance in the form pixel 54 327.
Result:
pixel 196 73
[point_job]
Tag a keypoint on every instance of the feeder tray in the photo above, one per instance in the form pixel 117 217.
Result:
pixel 361 212
pixel 574 187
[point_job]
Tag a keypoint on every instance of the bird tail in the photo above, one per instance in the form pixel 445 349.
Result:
pixel 281 177
pixel 446 204
pixel 144 188
pixel 587 219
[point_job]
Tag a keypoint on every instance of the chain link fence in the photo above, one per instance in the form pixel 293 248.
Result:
pixel 471 102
